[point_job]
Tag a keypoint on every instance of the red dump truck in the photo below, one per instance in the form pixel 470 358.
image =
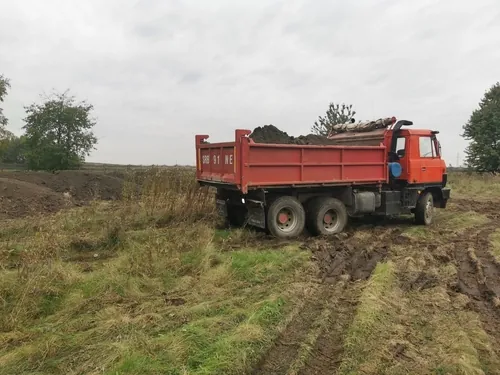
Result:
pixel 285 188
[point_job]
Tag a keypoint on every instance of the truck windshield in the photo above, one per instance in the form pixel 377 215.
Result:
pixel 428 147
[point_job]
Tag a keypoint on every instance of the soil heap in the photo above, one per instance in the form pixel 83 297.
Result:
pixel 27 193
pixel 271 134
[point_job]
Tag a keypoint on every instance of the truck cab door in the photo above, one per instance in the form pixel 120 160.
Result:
pixel 429 164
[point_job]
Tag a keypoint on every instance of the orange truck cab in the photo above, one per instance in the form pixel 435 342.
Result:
pixel 419 154
pixel 287 188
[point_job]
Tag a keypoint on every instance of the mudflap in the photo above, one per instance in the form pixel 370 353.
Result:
pixel 446 195
pixel 221 207
pixel 256 214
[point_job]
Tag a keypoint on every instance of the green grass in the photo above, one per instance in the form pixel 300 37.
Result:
pixel 124 312
pixel 123 289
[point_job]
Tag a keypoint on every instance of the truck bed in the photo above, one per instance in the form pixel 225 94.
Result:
pixel 245 165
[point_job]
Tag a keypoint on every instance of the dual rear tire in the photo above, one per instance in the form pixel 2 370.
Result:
pixel 326 216
pixel 287 218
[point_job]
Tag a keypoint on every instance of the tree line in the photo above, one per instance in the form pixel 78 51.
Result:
pixel 57 132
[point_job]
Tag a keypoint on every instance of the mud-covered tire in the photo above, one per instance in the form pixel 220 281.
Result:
pixel 285 217
pixel 424 211
pixel 236 216
pixel 326 216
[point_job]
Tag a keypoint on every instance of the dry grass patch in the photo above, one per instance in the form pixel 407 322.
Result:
pixel 371 324
pixel 139 287
pixel 495 245
pixel 447 221
pixel 408 323
pixel 159 306
pixel 460 221
pixel 480 186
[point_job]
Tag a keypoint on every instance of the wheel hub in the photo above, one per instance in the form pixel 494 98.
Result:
pixel 428 209
pixel 282 218
pixel 286 220
pixel 329 220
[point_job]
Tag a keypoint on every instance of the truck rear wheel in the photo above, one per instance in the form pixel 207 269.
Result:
pixel 424 211
pixel 286 217
pixel 326 216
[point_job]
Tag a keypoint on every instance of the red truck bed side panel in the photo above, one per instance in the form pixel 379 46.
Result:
pixel 250 165
pixel 270 165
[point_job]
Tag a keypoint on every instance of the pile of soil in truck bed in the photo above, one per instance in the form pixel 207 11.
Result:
pixel 271 134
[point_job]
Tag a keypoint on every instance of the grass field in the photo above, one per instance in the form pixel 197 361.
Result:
pixel 153 284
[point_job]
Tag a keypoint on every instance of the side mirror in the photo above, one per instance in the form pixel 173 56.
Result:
pixel 401 153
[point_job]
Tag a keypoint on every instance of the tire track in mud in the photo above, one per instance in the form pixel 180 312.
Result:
pixel 286 347
pixel 312 342
pixel 478 272
pixel 326 356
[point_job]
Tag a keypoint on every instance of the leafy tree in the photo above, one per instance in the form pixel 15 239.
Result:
pixel 12 149
pixel 4 86
pixel 58 133
pixel 336 114
pixel 483 132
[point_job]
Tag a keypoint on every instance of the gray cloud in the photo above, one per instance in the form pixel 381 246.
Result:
pixel 159 72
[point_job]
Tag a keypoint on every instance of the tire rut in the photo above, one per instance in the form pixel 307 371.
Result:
pixel 478 271
pixel 326 356
pixel 478 277
pixel 286 347
pixel 312 342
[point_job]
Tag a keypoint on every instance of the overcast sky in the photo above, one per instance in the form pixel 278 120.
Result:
pixel 160 71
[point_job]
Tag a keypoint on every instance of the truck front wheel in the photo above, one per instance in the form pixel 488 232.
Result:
pixel 326 216
pixel 424 211
pixel 286 217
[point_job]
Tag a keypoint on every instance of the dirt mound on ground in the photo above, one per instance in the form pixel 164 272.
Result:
pixel 271 134
pixel 27 193
pixel 19 198
pixel 81 185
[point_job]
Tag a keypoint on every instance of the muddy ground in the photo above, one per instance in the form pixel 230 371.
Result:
pixel 313 341
pixel 27 193
pixel 325 316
